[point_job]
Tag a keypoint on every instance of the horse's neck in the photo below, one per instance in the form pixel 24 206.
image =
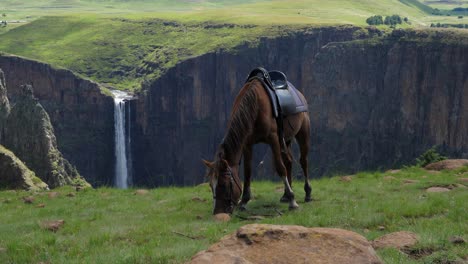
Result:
pixel 233 153
pixel 241 123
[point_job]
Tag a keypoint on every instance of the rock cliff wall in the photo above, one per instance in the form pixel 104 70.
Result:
pixel 374 103
pixel 29 134
pixel 81 115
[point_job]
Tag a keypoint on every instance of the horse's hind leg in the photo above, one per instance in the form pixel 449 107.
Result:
pixel 302 138
pixel 246 195
pixel 281 169
pixel 287 160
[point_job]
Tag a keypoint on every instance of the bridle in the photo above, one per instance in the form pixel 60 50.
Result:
pixel 232 182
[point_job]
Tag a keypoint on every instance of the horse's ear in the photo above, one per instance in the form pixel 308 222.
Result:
pixel 208 164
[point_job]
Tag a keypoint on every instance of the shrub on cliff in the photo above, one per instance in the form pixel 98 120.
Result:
pixel 428 157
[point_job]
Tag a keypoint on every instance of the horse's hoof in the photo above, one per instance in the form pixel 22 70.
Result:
pixel 308 199
pixel 293 205
pixel 284 199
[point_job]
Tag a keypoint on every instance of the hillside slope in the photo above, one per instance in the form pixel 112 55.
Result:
pixel 126 42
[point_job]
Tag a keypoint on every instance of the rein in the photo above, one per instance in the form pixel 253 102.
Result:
pixel 232 182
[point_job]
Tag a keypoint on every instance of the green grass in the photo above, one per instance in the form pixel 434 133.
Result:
pixel 115 226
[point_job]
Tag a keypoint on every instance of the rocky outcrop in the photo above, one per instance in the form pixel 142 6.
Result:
pixel 4 104
pixel 81 114
pixel 374 102
pixel 15 175
pixel 258 243
pixel 450 164
pixel 29 134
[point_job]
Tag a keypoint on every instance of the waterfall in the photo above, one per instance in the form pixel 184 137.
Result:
pixel 122 141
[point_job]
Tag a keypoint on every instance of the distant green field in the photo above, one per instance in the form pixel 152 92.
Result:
pixel 116 226
pixel 124 51
pixel 258 11
pixel 124 42
pixel 446 4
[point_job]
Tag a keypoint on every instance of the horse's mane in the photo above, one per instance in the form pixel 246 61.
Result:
pixel 242 119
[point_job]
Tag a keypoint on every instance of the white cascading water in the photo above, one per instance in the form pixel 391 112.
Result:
pixel 121 166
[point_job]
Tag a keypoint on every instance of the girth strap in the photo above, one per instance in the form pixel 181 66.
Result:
pixel 263 76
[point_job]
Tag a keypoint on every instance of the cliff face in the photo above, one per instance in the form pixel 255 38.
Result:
pixel 181 117
pixel 4 104
pixel 29 134
pixel 81 115
pixel 372 104
pixel 382 105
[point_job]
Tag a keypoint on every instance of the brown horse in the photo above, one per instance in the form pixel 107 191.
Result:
pixel 252 122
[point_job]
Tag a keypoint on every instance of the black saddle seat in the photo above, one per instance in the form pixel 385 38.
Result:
pixel 278 80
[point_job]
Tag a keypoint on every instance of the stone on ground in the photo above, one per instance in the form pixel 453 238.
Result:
pixel 450 164
pixel 53 194
pixel 389 178
pixel 398 240
pixel 222 217
pixel 259 243
pixel 141 192
pixel 53 226
pixel 409 181
pixel 457 240
pixel 29 199
pixel 347 178
pixel 437 189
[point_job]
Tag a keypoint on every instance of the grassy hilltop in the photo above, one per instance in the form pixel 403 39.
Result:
pixel 168 225
pixel 125 42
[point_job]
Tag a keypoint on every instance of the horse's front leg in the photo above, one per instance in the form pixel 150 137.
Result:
pixel 287 160
pixel 246 194
pixel 282 171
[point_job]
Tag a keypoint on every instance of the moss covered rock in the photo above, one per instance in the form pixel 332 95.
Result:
pixel 15 175
pixel 30 135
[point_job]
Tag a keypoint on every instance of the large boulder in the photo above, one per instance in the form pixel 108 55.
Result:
pixel 15 175
pixel 449 164
pixel 30 135
pixel 259 243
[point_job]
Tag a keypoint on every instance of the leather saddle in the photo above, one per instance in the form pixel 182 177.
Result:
pixel 284 97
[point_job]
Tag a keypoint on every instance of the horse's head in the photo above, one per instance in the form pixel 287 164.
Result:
pixel 225 185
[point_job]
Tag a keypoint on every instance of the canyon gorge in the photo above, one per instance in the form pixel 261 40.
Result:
pixel 376 101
